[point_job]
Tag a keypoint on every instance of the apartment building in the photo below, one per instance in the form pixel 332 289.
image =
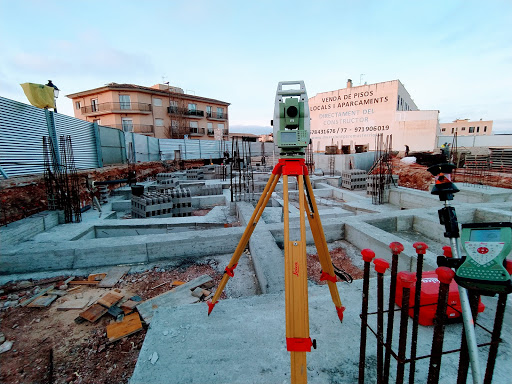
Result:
pixel 160 111
pixel 464 127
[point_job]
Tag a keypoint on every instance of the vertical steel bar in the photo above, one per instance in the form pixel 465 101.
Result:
pixel 408 280
pixel 445 276
pixel 396 249
pixel 368 256
pixel 380 267
pixel 495 338
pixel 421 248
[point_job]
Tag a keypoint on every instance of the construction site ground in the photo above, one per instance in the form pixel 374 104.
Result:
pixel 244 338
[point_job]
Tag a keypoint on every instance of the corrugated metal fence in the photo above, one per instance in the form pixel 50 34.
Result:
pixel 23 126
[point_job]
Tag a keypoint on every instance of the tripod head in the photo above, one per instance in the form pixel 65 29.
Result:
pixel 291 120
pixel 443 187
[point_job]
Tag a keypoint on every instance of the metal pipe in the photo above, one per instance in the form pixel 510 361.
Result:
pixel 495 338
pixel 368 255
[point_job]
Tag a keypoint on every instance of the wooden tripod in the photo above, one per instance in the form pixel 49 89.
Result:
pixel 298 341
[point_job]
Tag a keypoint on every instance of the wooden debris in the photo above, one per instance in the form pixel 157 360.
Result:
pixel 110 299
pixel 57 292
pixel 159 285
pixel 96 277
pixel 128 326
pixel 177 282
pixel 94 312
pixel 73 304
pixel 83 282
pixel 113 276
pixel 43 301
pixel 41 293
pixel 129 305
pixel 117 312
pixel 72 289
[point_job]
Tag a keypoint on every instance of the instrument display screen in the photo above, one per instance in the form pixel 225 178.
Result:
pixel 485 235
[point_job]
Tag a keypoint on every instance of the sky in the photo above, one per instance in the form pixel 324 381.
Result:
pixel 451 56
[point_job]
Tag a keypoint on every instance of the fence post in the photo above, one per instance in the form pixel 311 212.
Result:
pixel 99 151
pixel 200 156
pixel 122 144
pixel 133 148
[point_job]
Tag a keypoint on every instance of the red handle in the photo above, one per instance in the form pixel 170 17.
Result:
pixel 381 265
pixel 368 255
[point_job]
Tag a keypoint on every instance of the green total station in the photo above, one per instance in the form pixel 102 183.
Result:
pixel 484 268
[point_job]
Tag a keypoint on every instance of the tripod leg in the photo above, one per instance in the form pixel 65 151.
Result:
pixel 298 341
pixel 260 206
pixel 322 249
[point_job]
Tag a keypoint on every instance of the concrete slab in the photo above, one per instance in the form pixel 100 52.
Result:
pixel 243 341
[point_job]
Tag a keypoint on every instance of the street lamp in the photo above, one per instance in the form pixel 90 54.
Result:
pixel 55 93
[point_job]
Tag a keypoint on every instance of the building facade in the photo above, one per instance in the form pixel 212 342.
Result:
pixel 464 127
pixel 350 118
pixel 159 111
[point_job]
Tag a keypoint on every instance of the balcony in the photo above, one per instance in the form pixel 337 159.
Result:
pixel 104 108
pixel 196 132
pixel 135 128
pixel 194 113
pixel 210 132
pixel 216 116
pixel 225 132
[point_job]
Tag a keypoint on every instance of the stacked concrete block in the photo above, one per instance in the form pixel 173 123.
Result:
pixel 211 189
pixel 170 175
pixel 182 200
pixel 208 172
pixel 172 203
pixel 195 174
pixel 372 183
pixel 353 179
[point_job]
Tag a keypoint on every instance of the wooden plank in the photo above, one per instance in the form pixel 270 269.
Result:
pixel 84 282
pixel 28 301
pixel 110 299
pixel 128 326
pixel 129 305
pixel 96 277
pixel 43 301
pixel 73 304
pixel 113 276
pixel 94 312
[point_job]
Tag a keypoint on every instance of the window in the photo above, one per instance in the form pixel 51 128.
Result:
pixel 194 127
pixel 485 128
pixel 192 107
pixel 124 101
pixel 453 130
pixel 477 129
pixel 443 129
pixel 97 121
pixel 157 102
pixel 173 106
pixel 471 129
pixel 210 129
pixel 463 129
pixel 220 113
pixel 127 125
pixel 159 122
pixel 209 111
pixel 94 105
pixel 220 127
pixel 77 105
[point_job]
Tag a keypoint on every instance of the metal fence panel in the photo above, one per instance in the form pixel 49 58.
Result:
pixel 113 145
pixel 82 139
pixel 22 128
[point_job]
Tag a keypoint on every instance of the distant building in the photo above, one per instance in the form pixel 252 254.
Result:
pixel 464 127
pixel 267 138
pixel 160 111
pixel 350 118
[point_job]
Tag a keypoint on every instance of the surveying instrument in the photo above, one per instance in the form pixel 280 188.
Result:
pixel 484 268
pixel 291 134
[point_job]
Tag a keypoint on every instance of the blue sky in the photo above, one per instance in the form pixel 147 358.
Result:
pixel 453 56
